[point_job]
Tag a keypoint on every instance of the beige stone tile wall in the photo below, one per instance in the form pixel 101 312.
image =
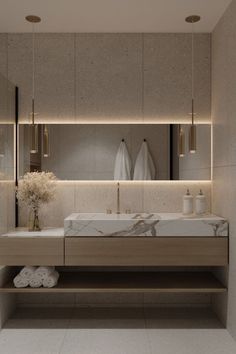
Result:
pixel 7 222
pixel 224 136
pixel 7 205
pixel 108 77
pixel 3 54
pixel 97 197
pixel 113 300
pixel 167 76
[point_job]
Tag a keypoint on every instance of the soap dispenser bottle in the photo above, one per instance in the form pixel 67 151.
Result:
pixel 200 203
pixel 187 203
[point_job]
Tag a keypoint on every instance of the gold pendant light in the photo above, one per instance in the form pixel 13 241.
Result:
pixel 192 131
pixel 33 127
pixel 181 142
pixel 2 143
pixel 46 145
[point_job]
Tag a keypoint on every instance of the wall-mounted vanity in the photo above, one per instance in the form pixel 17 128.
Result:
pixel 130 241
pixel 139 242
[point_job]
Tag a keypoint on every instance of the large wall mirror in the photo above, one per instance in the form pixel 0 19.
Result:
pixel 7 129
pixel 6 152
pixel 116 151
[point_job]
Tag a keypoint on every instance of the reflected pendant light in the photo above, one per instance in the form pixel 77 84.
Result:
pixel 46 146
pixel 2 143
pixel 181 141
pixel 33 127
pixel 192 131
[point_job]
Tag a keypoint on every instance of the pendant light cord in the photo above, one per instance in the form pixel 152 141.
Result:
pixel 33 70
pixel 193 73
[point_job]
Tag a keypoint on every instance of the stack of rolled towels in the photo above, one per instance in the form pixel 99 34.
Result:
pixel 35 277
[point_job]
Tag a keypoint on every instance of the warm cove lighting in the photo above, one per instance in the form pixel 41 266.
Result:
pixel 8 181
pixel 157 182
pixel 116 121
pixel 212 151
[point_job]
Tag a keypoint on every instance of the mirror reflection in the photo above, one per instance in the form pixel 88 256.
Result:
pixel 115 152
pixel 6 152
pixel 7 127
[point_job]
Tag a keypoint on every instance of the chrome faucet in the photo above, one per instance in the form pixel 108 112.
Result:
pixel 118 199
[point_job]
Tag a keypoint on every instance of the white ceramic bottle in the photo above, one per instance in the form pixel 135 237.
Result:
pixel 187 203
pixel 200 206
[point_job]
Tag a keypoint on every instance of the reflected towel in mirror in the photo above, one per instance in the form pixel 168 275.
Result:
pixel 123 165
pixel 144 166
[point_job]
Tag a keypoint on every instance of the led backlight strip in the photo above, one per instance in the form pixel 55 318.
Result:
pixel 121 122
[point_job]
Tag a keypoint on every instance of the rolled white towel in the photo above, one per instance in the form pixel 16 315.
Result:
pixel 51 280
pixel 20 282
pixel 44 272
pixel 27 272
pixel 35 281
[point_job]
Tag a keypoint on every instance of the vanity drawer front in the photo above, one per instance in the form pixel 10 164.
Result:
pixel 31 251
pixel 146 251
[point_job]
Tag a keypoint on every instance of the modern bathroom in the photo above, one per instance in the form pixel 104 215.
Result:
pixel 117 177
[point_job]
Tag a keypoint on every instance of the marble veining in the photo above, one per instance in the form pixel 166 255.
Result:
pixel 144 224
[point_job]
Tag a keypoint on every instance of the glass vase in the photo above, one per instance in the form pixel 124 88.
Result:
pixel 34 221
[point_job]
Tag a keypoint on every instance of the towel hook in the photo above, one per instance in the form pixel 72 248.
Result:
pixel 123 140
pixel 144 140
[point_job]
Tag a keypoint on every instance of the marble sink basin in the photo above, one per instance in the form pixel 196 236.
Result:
pixel 143 224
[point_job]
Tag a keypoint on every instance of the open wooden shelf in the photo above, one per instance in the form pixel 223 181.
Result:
pixel 158 282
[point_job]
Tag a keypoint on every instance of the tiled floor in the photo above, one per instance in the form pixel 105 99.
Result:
pixel 115 331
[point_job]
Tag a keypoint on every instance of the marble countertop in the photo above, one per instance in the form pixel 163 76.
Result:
pixel 146 216
pixel 139 224
pixel 23 232
pixel 144 224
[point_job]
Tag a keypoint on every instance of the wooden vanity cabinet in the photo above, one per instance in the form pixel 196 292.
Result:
pixel 119 251
pixel 146 251
pixel 20 251
pixel 114 251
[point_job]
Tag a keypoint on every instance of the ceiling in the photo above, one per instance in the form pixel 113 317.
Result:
pixel 110 15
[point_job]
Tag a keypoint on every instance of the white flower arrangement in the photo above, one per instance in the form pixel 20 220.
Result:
pixel 36 188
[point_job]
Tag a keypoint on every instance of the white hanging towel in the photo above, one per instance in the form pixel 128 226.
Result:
pixel 144 166
pixel 122 170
